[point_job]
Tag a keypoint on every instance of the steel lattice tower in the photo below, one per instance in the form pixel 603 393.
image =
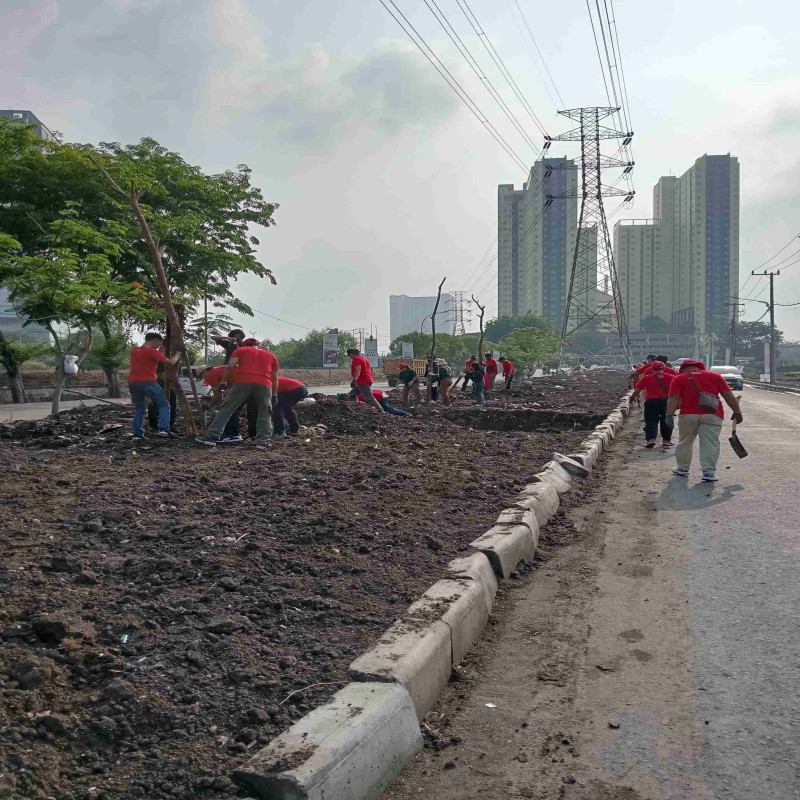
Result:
pixel 590 304
pixel 458 317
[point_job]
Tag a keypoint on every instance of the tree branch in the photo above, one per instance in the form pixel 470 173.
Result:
pixel 108 176
pixel 480 322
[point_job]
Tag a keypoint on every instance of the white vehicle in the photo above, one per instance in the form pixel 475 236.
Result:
pixel 732 375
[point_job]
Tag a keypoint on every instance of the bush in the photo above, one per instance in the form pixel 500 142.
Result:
pixel 36 366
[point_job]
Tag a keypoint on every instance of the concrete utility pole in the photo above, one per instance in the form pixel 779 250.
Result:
pixel 773 345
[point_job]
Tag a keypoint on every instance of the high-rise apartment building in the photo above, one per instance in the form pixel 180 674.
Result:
pixel 679 270
pixel 413 314
pixel 29 118
pixel 536 241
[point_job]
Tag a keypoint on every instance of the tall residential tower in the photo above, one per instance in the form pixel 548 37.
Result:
pixel 536 241
pixel 679 270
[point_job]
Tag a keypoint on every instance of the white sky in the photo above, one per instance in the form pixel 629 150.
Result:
pixel 386 182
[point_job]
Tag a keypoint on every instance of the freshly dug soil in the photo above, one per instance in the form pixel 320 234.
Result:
pixel 165 609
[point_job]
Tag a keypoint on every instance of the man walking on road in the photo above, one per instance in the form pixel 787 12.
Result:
pixel 696 392
pixel 655 384
pixel 361 372
pixel 253 373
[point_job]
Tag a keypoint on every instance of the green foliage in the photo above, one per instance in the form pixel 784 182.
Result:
pixel 453 349
pixel 36 366
pixel 529 347
pixel 498 329
pixel 109 352
pixel 25 353
pixel 750 338
pixel 306 353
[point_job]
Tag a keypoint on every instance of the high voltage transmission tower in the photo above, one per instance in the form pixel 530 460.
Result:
pixel 594 300
pixel 459 329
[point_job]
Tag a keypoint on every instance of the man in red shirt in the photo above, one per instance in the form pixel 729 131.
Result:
pixel 491 372
pixel 361 372
pixel 655 384
pixel 290 393
pixel 253 373
pixel 468 376
pixel 696 392
pixel 383 400
pixel 667 369
pixel 508 371
pixel 143 383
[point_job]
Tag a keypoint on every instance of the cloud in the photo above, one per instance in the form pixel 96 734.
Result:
pixel 309 102
pixel 19 27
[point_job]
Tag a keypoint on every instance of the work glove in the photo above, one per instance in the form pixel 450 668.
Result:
pixel 353 383
pixel 669 420
pixel 179 348
pixel 738 417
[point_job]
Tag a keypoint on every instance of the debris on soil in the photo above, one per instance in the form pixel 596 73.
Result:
pixel 161 604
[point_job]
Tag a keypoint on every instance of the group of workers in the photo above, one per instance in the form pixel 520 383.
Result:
pixel 250 378
pixel 439 373
pixel 694 390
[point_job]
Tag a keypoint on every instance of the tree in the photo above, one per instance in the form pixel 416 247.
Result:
pixel 453 349
pixel 13 355
pixel 498 329
pixel 70 282
pixel 530 347
pixel 750 338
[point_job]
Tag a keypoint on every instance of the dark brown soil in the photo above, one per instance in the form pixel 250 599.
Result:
pixel 162 604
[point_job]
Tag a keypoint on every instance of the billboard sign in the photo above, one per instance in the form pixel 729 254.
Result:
pixel 371 351
pixel 330 349
pixel 408 349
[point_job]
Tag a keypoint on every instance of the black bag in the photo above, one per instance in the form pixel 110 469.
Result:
pixel 708 402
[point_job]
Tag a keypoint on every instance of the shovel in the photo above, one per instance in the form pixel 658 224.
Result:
pixel 737 446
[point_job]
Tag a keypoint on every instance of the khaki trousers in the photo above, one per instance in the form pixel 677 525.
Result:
pixel 705 426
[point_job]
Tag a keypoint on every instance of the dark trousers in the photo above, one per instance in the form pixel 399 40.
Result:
pixel 465 385
pixel 509 380
pixel 283 413
pixel 655 416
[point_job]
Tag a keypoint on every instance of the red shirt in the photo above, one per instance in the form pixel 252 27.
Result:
pixel 651 386
pixel 491 366
pixel 213 377
pixel 254 366
pixel 144 364
pixel 642 368
pixel 508 368
pixel 376 393
pixel 468 365
pixel 288 384
pixel 706 381
pixel 366 371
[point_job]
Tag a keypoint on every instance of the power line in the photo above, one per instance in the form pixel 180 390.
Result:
pixel 476 26
pixel 297 325
pixel 473 62
pixel 445 73
pixel 599 56
pixel 544 63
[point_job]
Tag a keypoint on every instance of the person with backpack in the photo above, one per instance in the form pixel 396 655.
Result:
pixel 696 391
pixel 655 384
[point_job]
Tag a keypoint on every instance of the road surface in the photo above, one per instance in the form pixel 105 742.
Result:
pixel 654 652
pixel 12 412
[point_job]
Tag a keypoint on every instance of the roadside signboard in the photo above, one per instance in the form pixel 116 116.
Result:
pixel 330 347
pixel 408 349
pixel 371 351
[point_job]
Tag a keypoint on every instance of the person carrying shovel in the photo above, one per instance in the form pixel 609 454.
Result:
pixel 696 391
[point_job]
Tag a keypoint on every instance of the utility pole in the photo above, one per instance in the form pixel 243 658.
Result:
pixel 737 308
pixel 594 299
pixel 773 348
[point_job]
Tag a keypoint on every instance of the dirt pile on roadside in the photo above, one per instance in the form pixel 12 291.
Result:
pixel 166 609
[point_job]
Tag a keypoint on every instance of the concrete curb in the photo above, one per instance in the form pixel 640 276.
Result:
pixel 353 746
pixel 768 387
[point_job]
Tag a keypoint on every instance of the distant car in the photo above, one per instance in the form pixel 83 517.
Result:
pixel 732 375
pixel 676 362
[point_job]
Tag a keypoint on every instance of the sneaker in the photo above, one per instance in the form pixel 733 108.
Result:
pixel 138 437
pixel 650 444
pixel 261 441
pixel 292 433
pixel 682 471
pixel 710 476
pixel 167 435
pixel 206 440
pixel 229 439
pixel 668 444
pixel 281 435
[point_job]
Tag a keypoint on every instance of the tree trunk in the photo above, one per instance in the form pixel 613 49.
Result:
pixel 12 366
pixel 61 376
pixel 61 379
pixel 433 339
pixel 112 381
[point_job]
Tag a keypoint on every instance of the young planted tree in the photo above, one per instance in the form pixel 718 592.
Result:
pixel 433 336
pixel 195 228
pixel 529 347
pixel 70 283
pixel 12 356
pixel 482 310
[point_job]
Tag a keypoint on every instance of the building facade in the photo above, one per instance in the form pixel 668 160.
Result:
pixel 413 314
pixel 29 118
pixel 679 270
pixel 536 241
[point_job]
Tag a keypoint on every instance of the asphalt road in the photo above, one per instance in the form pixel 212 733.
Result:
pixel 655 651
